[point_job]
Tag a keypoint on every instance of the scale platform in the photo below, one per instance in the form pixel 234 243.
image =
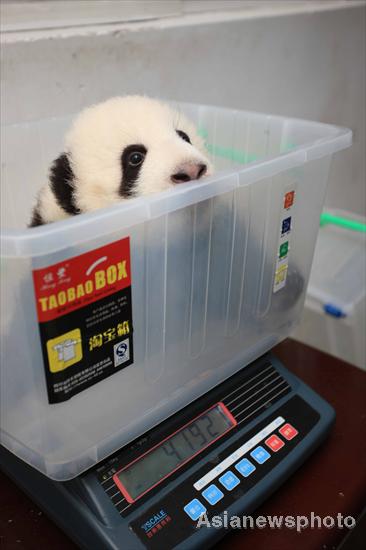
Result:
pixel 225 452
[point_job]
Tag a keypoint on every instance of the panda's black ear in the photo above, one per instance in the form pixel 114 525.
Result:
pixel 62 184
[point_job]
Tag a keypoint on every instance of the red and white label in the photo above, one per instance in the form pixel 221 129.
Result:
pixel 73 283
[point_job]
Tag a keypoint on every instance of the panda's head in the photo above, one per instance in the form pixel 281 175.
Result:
pixel 127 147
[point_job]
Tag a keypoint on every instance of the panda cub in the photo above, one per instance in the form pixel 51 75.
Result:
pixel 122 148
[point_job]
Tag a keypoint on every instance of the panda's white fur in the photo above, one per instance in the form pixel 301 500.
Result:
pixel 94 146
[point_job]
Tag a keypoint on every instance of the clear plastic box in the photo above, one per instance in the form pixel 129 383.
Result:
pixel 334 316
pixel 208 294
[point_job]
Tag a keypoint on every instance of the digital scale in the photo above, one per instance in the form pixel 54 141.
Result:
pixel 225 452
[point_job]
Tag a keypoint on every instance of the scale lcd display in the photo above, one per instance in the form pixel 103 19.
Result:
pixel 146 471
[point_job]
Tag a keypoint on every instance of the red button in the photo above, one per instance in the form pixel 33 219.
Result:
pixel 274 443
pixel 288 431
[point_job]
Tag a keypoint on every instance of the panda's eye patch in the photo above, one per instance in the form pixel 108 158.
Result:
pixel 132 159
pixel 183 135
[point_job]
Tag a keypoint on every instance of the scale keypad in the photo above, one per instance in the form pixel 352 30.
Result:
pixel 245 467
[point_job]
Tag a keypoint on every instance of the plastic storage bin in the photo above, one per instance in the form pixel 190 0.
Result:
pixel 335 307
pixel 212 286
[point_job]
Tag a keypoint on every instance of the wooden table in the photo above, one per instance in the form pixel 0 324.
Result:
pixel 332 481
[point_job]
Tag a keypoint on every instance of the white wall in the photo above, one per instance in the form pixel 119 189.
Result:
pixel 309 65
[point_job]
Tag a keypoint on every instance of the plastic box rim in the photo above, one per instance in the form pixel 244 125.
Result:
pixel 43 240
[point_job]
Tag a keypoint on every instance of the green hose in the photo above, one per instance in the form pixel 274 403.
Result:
pixel 327 218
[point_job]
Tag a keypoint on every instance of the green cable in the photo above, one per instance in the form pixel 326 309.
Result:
pixel 327 218
pixel 236 155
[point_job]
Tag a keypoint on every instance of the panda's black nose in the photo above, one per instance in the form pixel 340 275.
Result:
pixel 189 171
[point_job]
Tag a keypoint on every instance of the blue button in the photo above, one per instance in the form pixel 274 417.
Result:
pixel 245 467
pixel 260 454
pixel 212 494
pixel 229 480
pixel 194 509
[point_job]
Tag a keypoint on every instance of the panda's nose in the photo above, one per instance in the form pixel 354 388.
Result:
pixel 189 171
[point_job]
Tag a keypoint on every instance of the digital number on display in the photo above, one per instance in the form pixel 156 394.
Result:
pixel 148 470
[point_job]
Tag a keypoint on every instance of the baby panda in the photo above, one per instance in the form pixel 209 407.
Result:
pixel 122 148
pixel 135 146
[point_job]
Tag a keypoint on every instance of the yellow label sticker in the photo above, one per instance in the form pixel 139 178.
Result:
pixel 280 277
pixel 65 350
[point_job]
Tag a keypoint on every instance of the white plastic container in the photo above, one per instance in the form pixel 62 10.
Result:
pixel 335 307
pixel 206 299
